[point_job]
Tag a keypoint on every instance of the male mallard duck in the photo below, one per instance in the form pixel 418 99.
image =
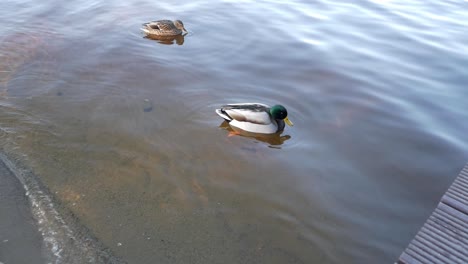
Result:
pixel 255 117
pixel 164 28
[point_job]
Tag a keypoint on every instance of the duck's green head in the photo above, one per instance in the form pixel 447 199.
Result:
pixel 280 112
pixel 178 24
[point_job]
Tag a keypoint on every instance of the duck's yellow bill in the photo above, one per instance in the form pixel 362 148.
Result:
pixel 288 122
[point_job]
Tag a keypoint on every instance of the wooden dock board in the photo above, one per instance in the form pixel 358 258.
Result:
pixel 444 236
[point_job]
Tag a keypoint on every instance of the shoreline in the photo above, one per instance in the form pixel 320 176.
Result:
pixel 20 239
pixel 47 231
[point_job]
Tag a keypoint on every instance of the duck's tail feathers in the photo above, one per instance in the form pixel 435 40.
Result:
pixel 223 114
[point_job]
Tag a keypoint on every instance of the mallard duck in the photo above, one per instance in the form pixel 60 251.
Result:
pixel 255 117
pixel 164 28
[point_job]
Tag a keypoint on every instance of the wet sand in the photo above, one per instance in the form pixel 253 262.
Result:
pixel 20 241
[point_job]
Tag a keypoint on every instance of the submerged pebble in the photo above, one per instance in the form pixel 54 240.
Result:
pixel 147 105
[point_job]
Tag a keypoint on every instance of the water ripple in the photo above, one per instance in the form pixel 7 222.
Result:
pixel 375 88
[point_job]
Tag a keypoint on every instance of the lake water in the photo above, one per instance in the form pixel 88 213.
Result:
pixel 121 130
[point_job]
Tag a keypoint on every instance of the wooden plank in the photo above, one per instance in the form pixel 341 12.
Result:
pixel 456 195
pixel 459 188
pixel 461 182
pixel 434 249
pixel 459 193
pixel 439 237
pixel 417 254
pixel 425 252
pixel 455 214
pixel 445 231
pixel 463 177
pixel 463 205
pixel 464 173
pixel 465 170
pixel 447 225
pixel 456 198
pixel 442 245
pixel 405 258
pixel 444 236
pixel 450 201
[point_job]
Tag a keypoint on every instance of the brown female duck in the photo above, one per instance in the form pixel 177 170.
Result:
pixel 163 28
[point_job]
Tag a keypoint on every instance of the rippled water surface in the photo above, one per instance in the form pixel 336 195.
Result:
pixel 122 129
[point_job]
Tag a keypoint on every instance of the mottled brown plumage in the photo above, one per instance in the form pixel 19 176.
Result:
pixel 163 28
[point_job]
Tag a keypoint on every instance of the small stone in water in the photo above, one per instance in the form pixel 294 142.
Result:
pixel 119 244
pixel 147 105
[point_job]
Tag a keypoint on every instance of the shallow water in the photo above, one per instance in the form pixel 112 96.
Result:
pixel 122 129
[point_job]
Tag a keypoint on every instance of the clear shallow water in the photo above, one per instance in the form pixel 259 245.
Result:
pixel 122 129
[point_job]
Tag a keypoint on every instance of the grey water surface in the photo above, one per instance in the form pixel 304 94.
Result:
pixel 122 132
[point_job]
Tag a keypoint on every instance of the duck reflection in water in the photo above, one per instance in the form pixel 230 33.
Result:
pixel 273 139
pixel 168 40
